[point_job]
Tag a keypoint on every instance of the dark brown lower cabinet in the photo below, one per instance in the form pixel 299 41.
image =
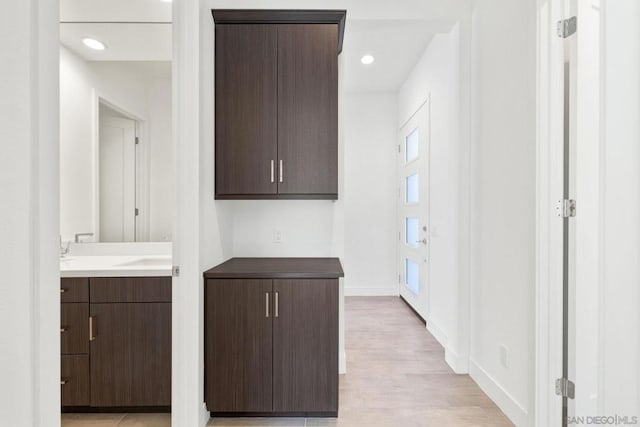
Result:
pixel 131 354
pixel 305 346
pixel 271 346
pixel 238 345
pixel 116 342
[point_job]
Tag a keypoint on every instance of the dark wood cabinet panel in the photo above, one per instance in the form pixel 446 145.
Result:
pixel 238 345
pixel 74 380
pixel 305 346
pixel 246 109
pixel 74 289
pixel 74 328
pixel 131 354
pixel 130 289
pixel 308 108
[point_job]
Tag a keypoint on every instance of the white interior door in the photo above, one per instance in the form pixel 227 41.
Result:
pixel 117 176
pixel 413 210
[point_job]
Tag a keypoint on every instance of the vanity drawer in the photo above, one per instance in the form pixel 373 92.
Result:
pixel 130 289
pixel 74 328
pixel 74 380
pixel 74 289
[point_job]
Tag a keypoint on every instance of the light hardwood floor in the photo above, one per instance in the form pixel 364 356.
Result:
pixel 397 377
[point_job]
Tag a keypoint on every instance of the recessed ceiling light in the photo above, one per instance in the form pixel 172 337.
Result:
pixel 367 59
pixel 166 1
pixel 93 43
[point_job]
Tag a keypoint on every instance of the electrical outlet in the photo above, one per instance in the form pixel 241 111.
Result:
pixel 504 356
pixel 277 236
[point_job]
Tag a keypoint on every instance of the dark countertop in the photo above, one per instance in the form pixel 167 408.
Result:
pixel 277 268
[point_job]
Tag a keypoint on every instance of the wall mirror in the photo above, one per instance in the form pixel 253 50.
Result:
pixel 116 151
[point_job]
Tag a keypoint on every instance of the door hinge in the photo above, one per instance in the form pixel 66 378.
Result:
pixel 567 27
pixel 137 212
pixel 399 279
pixel 399 235
pixel 566 208
pixel 137 140
pixel 175 271
pixel 565 388
pixel 398 148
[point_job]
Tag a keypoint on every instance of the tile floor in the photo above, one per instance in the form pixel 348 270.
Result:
pixel 397 377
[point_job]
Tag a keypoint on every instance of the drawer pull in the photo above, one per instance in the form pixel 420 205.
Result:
pixel 63 329
pixel 63 381
pixel 91 336
pixel 277 309
pixel 63 290
pixel 280 171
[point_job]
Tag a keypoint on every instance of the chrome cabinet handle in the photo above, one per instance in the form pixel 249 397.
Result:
pixel 91 336
pixel 63 329
pixel 273 167
pixel 63 381
pixel 63 290
pixel 280 170
pixel 277 309
pixel 266 304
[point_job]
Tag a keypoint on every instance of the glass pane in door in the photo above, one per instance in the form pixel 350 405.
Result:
pixel 411 231
pixel 411 190
pixel 412 276
pixel 411 146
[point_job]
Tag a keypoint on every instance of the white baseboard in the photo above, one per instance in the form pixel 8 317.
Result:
pixel 507 403
pixel 370 291
pixel 342 363
pixel 437 333
pixel 459 364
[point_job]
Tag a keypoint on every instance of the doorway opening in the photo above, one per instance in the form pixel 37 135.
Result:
pixel 118 173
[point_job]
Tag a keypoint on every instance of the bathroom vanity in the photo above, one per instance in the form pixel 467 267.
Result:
pixel 115 333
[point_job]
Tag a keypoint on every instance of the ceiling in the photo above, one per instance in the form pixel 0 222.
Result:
pixel 396 46
pixel 132 30
pixel 394 32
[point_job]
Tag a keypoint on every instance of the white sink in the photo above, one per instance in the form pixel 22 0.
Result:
pixel 147 261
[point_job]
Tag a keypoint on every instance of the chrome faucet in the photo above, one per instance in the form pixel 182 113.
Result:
pixel 64 248
pixel 78 235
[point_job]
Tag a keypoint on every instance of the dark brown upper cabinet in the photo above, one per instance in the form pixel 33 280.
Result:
pixel 276 103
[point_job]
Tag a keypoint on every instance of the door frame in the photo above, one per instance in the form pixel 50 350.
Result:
pixel 142 163
pixel 583 362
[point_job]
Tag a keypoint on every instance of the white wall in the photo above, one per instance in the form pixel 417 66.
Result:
pixel 137 90
pixel 370 194
pixel 619 388
pixel 29 297
pixel 161 161
pixel 435 77
pixel 503 202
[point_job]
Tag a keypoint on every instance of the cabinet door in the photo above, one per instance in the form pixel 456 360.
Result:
pixel 238 345
pixel 131 354
pixel 246 109
pixel 308 109
pixel 305 346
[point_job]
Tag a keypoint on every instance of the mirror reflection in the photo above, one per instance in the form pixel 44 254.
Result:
pixel 116 154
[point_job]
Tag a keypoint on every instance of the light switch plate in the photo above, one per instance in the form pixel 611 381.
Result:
pixel 277 236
